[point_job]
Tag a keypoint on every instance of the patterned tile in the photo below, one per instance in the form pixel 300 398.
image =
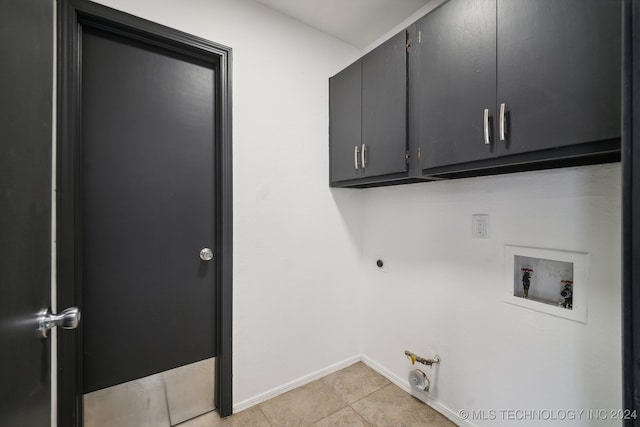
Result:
pixel 346 417
pixel 303 406
pixel 355 382
pixel 325 403
pixel 391 406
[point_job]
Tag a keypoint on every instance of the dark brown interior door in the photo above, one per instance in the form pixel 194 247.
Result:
pixel 26 43
pixel 147 209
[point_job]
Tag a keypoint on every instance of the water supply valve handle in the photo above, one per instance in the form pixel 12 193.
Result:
pixel 411 356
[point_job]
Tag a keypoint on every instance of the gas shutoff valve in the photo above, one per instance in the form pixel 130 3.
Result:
pixel 415 358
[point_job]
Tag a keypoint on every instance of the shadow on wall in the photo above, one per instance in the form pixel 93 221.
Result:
pixel 350 204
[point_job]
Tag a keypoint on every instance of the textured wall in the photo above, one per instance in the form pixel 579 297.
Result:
pixel 440 291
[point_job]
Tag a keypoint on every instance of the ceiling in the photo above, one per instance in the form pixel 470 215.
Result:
pixel 357 22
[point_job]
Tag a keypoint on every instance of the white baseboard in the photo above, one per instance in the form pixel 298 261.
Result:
pixel 400 382
pixel 404 385
pixel 245 404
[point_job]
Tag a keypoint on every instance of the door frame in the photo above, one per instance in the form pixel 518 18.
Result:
pixel 631 210
pixel 72 16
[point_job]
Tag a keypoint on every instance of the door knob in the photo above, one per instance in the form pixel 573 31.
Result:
pixel 67 319
pixel 206 254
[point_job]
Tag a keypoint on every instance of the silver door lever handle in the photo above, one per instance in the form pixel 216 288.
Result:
pixel 67 319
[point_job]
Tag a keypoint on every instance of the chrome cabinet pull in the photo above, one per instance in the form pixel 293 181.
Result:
pixel 363 153
pixel 355 156
pixel 502 125
pixel 67 319
pixel 486 126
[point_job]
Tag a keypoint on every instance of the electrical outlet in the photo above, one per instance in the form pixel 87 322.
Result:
pixel 480 226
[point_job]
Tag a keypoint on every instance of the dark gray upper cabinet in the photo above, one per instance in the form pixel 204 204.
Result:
pixel 558 72
pixel 345 118
pixel 384 108
pixel 512 83
pixel 487 86
pixel 368 117
pixel 453 70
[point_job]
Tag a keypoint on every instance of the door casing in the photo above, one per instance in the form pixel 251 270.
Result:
pixel 72 15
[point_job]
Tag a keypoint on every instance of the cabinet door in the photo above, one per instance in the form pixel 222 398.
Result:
pixel 558 72
pixel 345 116
pixel 384 107
pixel 456 77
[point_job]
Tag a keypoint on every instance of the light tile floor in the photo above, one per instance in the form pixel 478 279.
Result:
pixel 355 396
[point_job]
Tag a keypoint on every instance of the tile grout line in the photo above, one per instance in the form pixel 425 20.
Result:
pixel 333 413
pixel 367 395
pixel 361 415
pixel 364 397
pixel 350 404
pixel 335 392
pixel 264 414
pixel 374 391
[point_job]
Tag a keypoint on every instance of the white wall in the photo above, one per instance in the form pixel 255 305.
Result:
pixel 296 243
pixel 440 291
pixel 428 7
pixel 307 294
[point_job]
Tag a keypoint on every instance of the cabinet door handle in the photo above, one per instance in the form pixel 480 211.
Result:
pixel 355 156
pixel 486 126
pixel 502 124
pixel 364 156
